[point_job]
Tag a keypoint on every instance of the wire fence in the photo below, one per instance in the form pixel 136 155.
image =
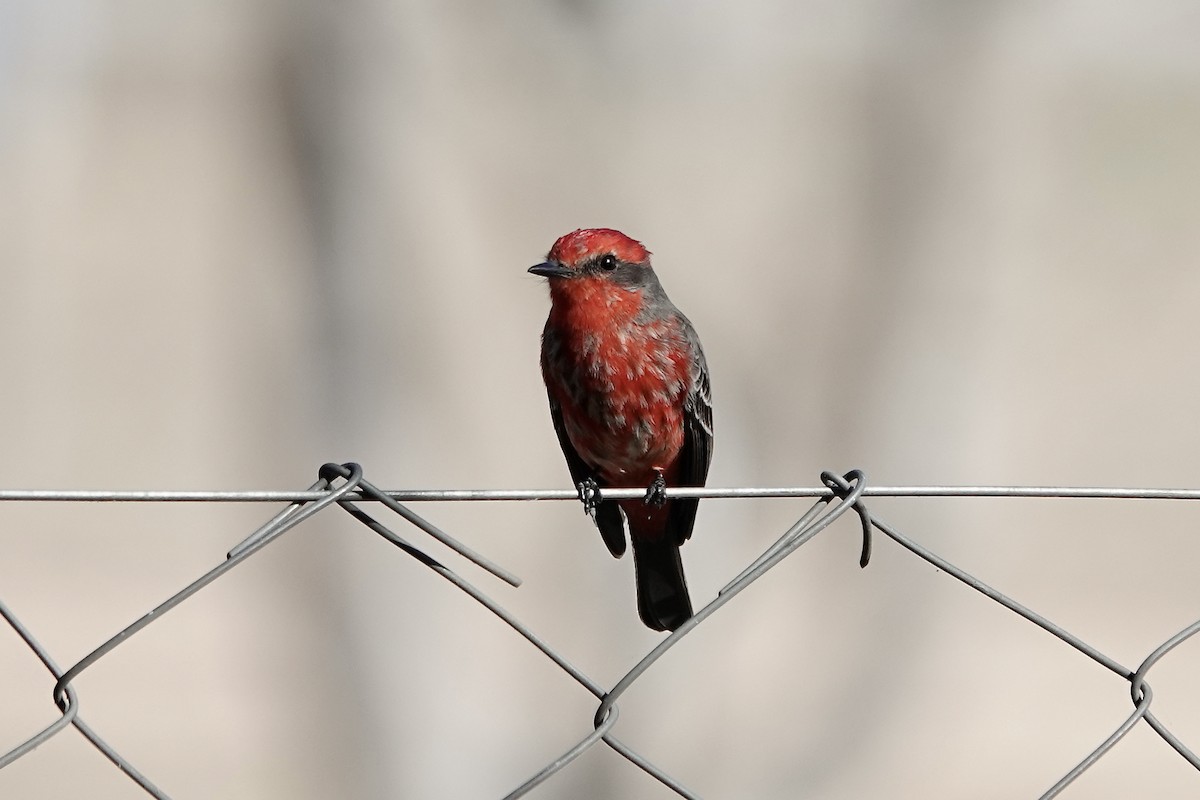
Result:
pixel 344 486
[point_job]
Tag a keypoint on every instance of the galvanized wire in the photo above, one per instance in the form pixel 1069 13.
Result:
pixel 343 485
pixel 491 495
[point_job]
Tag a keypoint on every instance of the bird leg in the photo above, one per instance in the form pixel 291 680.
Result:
pixel 656 493
pixel 589 495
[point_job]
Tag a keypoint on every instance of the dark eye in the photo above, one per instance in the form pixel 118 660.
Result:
pixel 608 262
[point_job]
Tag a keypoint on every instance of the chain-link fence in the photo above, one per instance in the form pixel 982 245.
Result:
pixel 345 487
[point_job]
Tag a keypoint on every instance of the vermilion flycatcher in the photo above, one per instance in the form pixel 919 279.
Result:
pixel 629 396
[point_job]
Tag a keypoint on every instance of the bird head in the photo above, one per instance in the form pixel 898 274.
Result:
pixel 596 256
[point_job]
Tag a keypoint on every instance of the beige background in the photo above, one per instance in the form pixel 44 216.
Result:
pixel 943 242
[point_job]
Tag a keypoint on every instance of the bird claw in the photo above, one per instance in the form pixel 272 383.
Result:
pixel 589 495
pixel 656 494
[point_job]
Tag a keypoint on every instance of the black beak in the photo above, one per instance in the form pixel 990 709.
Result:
pixel 551 269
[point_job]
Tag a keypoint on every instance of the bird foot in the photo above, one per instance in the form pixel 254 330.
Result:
pixel 656 494
pixel 589 495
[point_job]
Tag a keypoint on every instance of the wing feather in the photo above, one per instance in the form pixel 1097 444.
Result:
pixel 696 454
pixel 607 515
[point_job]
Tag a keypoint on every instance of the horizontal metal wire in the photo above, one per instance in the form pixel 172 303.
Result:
pixel 456 495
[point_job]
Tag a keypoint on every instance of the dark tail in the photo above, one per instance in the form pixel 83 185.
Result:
pixel 662 595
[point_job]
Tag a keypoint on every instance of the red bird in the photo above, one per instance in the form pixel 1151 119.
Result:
pixel 629 396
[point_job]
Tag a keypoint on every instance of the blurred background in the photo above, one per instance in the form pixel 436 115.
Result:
pixel 943 242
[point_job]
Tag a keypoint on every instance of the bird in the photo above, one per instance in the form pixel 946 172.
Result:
pixel 631 403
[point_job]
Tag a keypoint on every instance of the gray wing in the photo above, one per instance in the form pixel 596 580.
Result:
pixel 696 454
pixel 607 514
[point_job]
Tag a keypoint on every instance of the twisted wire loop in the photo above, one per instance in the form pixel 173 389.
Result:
pixel 344 485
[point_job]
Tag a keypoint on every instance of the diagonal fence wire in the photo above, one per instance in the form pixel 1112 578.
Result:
pixel 344 485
